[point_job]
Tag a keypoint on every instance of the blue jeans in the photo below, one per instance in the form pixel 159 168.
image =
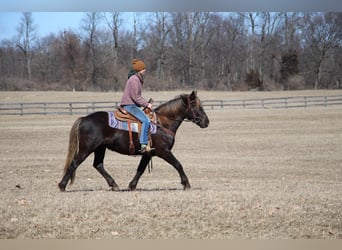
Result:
pixel 140 115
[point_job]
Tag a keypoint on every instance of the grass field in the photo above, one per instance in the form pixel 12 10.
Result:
pixel 254 174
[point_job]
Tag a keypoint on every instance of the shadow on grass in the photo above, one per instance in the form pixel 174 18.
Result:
pixel 128 190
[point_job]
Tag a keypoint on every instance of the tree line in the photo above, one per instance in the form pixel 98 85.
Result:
pixel 207 50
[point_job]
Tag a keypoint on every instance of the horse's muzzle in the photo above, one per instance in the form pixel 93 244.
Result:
pixel 203 123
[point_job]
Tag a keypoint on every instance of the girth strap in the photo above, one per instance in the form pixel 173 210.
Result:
pixel 131 144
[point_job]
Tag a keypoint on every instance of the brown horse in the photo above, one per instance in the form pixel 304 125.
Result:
pixel 93 134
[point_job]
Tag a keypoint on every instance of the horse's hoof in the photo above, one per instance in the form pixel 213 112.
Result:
pixel 61 187
pixel 132 186
pixel 116 188
pixel 186 187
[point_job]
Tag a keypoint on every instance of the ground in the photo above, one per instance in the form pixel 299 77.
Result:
pixel 264 174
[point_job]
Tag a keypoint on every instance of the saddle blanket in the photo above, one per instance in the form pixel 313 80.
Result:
pixel 114 123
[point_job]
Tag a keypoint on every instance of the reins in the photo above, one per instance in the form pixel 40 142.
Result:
pixel 194 119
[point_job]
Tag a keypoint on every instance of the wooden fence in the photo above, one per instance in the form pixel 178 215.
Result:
pixel 82 108
pixel 276 103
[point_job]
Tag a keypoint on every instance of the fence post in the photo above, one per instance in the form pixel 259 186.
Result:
pixel 70 108
pixel 325 101
pixel 21 109
pixel 305 101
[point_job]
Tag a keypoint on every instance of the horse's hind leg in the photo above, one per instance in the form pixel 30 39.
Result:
pixel 98 165
pixel 141 169
pixel 67 176
pixel 71 170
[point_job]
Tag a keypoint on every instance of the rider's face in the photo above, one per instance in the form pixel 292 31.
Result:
pixel 142 71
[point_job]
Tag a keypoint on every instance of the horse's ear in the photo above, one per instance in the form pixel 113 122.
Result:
pixel 193 94
pixel 184 98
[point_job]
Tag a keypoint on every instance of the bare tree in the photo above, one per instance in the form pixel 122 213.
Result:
pixel 162 30
pixel 155 36
pixel 45 63
pixel 114 22
pixel 177 40
pixel 89 25
pixel 323 34
pixel 232 49
pixel 8 65
pixel 75 72
pixel 262 29
pixel 7 59
pixel 252 18
pixel 182 40
pixel 26 38
pixel 269 26
pixel 135 37
pixel 188 37
pixel 291 25
pixel 205 31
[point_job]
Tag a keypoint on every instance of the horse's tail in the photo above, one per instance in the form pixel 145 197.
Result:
pixel 73 148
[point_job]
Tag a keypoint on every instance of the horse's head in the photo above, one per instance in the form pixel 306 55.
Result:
pixel 194 110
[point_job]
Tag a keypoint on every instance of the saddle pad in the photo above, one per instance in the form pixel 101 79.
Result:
pixel 114 123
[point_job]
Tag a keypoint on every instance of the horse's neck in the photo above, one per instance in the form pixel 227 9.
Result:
pixel 169 123
pixel 171 118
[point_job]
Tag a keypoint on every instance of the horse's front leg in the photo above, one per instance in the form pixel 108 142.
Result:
pixel 141 169
pixel 170 158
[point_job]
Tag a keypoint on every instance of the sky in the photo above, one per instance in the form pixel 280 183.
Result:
pixel 46 22
pixel 55 16
pixel 167 5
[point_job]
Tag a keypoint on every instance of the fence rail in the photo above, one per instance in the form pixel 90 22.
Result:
pixel 276 103
pixel 82 108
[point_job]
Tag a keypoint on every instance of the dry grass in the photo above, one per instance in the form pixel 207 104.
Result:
pixel 254 174
pixel 43 96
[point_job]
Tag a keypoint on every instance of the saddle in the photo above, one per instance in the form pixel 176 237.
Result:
pixel 122 115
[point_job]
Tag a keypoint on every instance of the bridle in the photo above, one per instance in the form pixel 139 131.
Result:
pixel 195 119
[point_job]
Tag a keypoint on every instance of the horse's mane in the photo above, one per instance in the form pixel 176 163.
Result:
pixel 171 106
pixel 168 111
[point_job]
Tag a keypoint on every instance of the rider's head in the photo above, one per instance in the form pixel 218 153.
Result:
pixel 138 65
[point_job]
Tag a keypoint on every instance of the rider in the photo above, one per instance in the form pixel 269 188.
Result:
pixel 132 101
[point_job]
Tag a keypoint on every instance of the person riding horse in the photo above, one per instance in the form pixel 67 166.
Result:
pixel 132 100
pixel 93 134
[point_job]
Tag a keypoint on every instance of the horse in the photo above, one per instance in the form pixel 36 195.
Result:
pixel 92 134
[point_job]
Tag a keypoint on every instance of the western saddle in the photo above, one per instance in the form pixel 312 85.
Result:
pixel 122 115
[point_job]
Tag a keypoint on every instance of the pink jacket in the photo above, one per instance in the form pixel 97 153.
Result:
pixel 132 92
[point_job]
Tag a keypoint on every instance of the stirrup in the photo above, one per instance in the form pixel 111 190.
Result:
pixel 146 150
